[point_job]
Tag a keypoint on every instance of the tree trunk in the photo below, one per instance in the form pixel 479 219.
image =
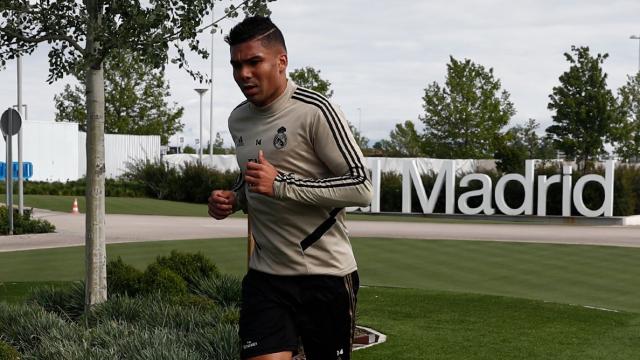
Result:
pixel 95 249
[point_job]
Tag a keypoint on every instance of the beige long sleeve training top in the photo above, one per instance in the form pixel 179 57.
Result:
pixel 301 229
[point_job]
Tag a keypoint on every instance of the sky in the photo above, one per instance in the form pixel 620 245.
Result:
pixel 380 56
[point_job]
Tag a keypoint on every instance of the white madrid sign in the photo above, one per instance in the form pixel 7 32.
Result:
pixel 571 193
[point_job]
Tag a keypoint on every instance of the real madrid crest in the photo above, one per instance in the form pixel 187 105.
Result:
pixel 280 140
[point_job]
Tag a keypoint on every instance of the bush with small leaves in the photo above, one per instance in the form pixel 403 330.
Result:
pixel 159 279
pixel 23 224
pixel 122 279
pixel 188 266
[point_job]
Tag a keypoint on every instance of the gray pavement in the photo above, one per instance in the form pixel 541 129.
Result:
pixel 135 228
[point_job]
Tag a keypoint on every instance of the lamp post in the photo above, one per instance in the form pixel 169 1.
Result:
pixel 200 92
pixel 360 120
pixel 637 37
pixel 20 174
pixel 213 31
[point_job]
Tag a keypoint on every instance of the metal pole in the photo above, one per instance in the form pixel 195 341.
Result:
pixel 637 37
pixel 10 173
pixel 200 145
pixel 200 92
pixel 20 174
pixel 213 30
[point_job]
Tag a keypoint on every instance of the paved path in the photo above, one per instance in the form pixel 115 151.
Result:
pixel 134 228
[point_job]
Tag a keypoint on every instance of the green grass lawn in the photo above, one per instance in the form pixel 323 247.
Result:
pixel 443 302
pixel 423 324
pixel 607 277
pixel 146 206
pixel 116 205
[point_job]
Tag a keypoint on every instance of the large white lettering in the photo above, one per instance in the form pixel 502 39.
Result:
pixel 446 178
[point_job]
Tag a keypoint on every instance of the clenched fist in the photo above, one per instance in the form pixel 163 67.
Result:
pixel 221 203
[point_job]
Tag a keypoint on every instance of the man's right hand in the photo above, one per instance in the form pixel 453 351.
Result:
pixel 221 203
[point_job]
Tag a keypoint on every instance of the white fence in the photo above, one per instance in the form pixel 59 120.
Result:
pixel 120 150
pixel 57 150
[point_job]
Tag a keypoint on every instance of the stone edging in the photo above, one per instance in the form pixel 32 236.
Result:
pixel 379 338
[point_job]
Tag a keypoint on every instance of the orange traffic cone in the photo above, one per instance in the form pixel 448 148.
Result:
pixel 74 209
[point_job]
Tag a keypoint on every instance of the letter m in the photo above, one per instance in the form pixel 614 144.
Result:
pixel 446 175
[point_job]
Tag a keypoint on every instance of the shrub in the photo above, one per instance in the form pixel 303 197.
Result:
pixel 154 176
pixel 154 311
pixel 66 301
pixel 225 290
pixel 26 325
pixel 197 181
pixel 221 342
pixel 123 279
pixel 150 327
pixel 190 182
pixel 113 187
pixel 188 266
pixel 159 279
pixel 7 352
pixel 23 224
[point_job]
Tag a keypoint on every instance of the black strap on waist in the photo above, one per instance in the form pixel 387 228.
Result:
pixel 320 230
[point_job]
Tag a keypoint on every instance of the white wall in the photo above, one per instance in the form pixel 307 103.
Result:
pixel 51 147
pixel 57 150
pixel 120 150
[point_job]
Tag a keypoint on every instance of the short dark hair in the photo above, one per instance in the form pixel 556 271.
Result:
pixel 255 27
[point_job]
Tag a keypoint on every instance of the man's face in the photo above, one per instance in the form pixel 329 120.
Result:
pixel 259 71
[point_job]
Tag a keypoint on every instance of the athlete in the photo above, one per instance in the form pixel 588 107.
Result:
pixel 300 167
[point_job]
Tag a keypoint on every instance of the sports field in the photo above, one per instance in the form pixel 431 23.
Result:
pixel 440 299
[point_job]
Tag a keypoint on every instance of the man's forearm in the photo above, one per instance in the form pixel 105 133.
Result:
pixel 351 191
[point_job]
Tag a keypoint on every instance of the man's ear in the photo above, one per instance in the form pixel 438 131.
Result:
pixel 283 62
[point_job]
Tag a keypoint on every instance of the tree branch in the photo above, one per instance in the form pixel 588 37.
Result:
pixel 36 40
pixel 174 36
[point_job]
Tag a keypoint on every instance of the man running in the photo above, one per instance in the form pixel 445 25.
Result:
pixel 300 167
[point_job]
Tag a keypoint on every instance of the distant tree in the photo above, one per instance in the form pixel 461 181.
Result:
pixel 627 134
pixel 404 141
pixel 188 149
pixel 308 77
pixel 463 118
pixel 135 99
pixel 519 143
pixel 361 140
pixel 585 109
pixel 522 142
pixel 218 146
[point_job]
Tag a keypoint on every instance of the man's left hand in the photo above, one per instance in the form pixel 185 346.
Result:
pixel 260 176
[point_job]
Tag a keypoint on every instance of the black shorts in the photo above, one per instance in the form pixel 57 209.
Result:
pixel 278 310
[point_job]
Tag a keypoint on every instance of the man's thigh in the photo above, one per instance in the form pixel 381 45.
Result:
pixel 266 317
pixel 327 318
